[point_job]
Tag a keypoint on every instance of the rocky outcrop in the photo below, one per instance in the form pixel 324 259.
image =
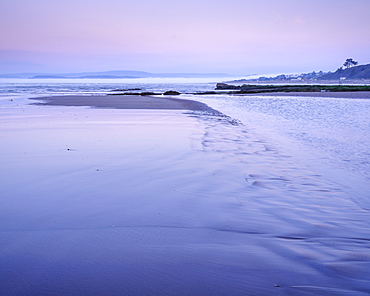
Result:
pixel 171 93
pixel 221 86
pixel 255 89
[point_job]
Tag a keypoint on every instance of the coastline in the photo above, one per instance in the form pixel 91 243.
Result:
pixel 125 102
pixel 169 103
pixel 138 195
pixel 344 95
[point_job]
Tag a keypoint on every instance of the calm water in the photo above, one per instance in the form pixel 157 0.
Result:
pixel 330 130
pixel 329 133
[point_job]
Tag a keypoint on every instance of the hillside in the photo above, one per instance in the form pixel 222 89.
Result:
pixel 112 75
pixel 357 72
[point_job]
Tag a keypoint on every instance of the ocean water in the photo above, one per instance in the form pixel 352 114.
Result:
pixel 25 88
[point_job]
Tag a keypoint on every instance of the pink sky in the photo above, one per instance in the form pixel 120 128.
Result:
pixel 234 36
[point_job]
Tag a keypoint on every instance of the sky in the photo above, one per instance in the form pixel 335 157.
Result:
pixel 238 37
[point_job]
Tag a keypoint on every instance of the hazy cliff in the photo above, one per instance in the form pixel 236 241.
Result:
pixel 357 72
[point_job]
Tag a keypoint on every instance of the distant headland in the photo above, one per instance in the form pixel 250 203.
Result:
pixel 122 74
pixel 350 72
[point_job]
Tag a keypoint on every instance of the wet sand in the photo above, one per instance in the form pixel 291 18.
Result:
pixel 125 102
pixel 145 201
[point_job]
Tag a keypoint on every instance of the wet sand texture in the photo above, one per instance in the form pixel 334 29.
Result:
pixel 125 102
pixel 158 202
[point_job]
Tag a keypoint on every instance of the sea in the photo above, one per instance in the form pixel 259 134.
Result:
pixel 330 135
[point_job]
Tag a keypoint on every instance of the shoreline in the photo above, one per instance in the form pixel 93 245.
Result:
pixel 169 103
pixel 343 95
pixel 140 188
pixel 124 102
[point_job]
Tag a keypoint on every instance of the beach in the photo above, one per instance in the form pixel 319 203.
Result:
pixel 132 195
pixel 124 102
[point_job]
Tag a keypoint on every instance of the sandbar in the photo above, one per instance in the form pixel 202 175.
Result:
pixel 125 102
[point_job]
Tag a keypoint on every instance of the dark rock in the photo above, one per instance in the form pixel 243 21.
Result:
pixel 148 93
pixel 221 86
pixel 145 93
pixel 171 93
